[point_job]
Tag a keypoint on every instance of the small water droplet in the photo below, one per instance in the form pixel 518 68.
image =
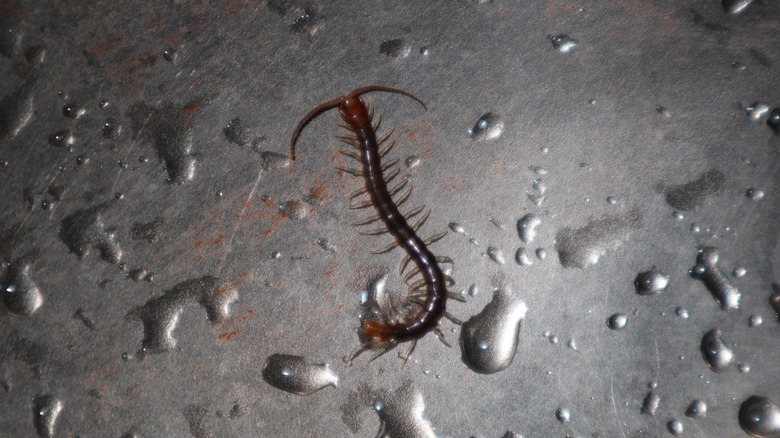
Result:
pixel 81 160
pixel 562 43
pixel 458 228
pixel 489 126
pixel 276 255
pixel 170 54
pixel 527 227
pixel 21 295
pixel 111 129
pixel 86 229
pixel 739 271
pixel 697 409
pixel 743 367
pixel 675 427
pixel 773 121
pixel 650 403
pixel 758 111
pixel 489 339
pixel 61 138
pixel 473 290
pixel 73 110
pixel 695 228
pixel 104 104
pixel 395 48
pixel 563 414
pixel 735 6
pixel 651 282
pixel 678 215
pixel 662 110
pixel 424 51
pixel 681 312
pixel 293 209
pixel 496 255
pixel 617 321
pixel 715 351
pixel 296 375
pixel 571 343
pixel 522 258
pixel 754 194
pixel 755 320
pixel 760 416
pixel 326 245
pixel 717 282
pixel 412 161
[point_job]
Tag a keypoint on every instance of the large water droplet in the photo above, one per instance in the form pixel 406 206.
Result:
pixel 718 283
pixel 21 296
pixel 401 414
pixel 489 339
pixel 675 427
pixel 563 414
pixel 715 351
pixel 522 258
pixel 617 321
pixel 527 227
pixel 160 315
pixel 86 229
pixel 696 193
pixel 650 403
pixel 297 376
pixel 496 255
pixel 754 194
pixel 760 416
pixel 735 6
pixel 651 282
pixel 46 410
pixel 697 409
pixel 395 48
pixel 584 246
pixel 488 127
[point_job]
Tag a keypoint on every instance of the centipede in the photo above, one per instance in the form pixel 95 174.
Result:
pixel 426 301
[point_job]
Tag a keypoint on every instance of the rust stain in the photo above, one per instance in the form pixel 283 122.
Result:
pixel 228 336
pixel 192 107
pixel 208 242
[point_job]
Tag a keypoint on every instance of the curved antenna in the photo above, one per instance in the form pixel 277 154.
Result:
pixel 377 87
pixel 308 118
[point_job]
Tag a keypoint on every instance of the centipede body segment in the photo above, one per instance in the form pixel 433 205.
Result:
pixel 427 297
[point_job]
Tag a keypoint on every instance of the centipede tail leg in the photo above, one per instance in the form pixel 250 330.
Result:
pixel 409 352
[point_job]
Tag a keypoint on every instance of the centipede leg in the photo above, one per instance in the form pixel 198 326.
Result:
pixel 386 249
pixel 367 221
pixel 355 353
pixel 454 320
pixel 389 164
pixel 456 297
pixel 411 275
pixel 353 172
pixel 391 176
pixel 384 349
pixel 398 187
pixel 449 280
pixel 404 197
pixel 404 263
pixel 375 232
pixel 440 334
pixel 417 284
pixel 350 154
pixel 420 222
pixel 409 352
pixel 435 238
pixel 364 204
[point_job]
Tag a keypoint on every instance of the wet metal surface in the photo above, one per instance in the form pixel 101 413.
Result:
pixel 158 249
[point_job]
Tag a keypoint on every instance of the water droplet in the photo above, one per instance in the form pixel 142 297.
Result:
pixel 86 229
pixel 527 227
pixel 754 194
pixel 170 54
pixel 697 409
pixel 650 403
pixel 541 254
pixel 412 161
pixel 160 315
pixel 696 193
pixel 584 246
pixel 458 228
pixel 553 339
pixel 473 290
pixel 149 231
pixel 562 43
pixel 719 285
pixel 571 343
pixel 104 104
pixel 81 160
pixel 774 299
pixel 681 312
pixel 395 48
pixel 539 170
pixel 489 126
pixel 537 192
pixel 758 111
pixel 563 414
pixel 297 376
pixel 169 129
pixel 21 296
pixel 695 228
pixel 755 320
pixel 61 138
pixel 617 321
pixel 401 414
pixel 498 324
pixel 522 258
pixel 111 129
pixel 774 121
pixel 293 210
pixel 743 367
pixel 46 411
pixel 307 22
pixel 760 416
pixel 326 245
pixel 735 6
pixel 716 353
pixel 496 255
pixel 677 215
pixel 73 111
pixel 675 427
pixel 16 110
pixel 424 51
pixel 651 282
pixel 739 271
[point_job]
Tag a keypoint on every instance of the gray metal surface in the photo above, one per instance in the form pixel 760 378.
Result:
pixel 158 248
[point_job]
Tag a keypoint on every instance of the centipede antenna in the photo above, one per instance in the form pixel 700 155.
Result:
pixel 386 249
pixel 435 238
pixel 308 118
pixel 377 87
pixel 353 172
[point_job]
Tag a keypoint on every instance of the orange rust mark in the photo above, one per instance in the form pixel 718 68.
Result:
pixel 228 336
pixel 428 151
pixel 206 242
pixel 191 108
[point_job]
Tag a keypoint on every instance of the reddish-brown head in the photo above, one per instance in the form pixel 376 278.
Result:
pixel 354 112
pixel 377 332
